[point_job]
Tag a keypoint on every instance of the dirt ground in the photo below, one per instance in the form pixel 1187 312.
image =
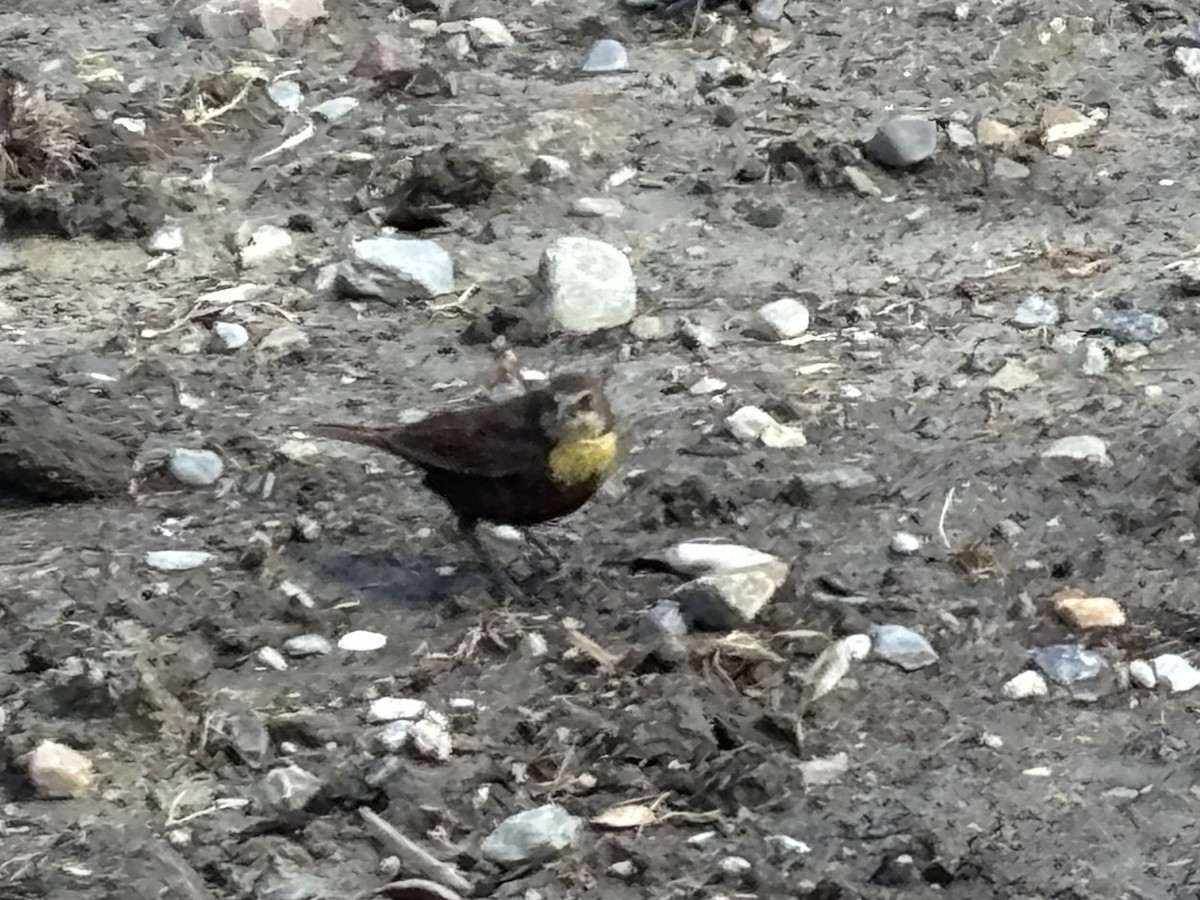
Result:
pixel 948 788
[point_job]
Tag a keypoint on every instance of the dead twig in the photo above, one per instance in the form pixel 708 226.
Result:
pixel 412 856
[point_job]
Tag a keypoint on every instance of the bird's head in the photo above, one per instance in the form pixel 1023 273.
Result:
pixel 577 409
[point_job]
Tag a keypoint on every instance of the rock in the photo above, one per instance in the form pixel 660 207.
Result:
pixel 1035 311
pixel 535 835
pixel 767 13
pixel 761 213
pixel 198 468
pixel 1176 672
pixel 606 56
pixel 834 484
pixel 707 385
pixel 1129 326
pixel 1082 447
pixel 991 133
pixel 729 600
pixel 282 341
pixel 1061 123
pixel 1068 663
pixel 589 285
pixel 596 208
pixel 903 647
pixel 362 641
pixel 1028 684
pixel 176 560
pixel 59 772
pixel 229 336
pixel 1188 61
pixel 1009 169
pixel 861 182
pixel 430 739
pixel 704 558
pixel 650 328
pixel 829 770
pixel 387 54
pixel 784 319
pixel 335 108
pixel 224 20
pixel 303 645
pixel 1142 674
pixel 750 424
pixel 285 94
pixel 735 866
pixel 395 270
pixel 1188 272
pixel 489 34
pixel 548 169
pixel 1012 377
pixel 960 135
pixel 905 544
pixel 167 239
pixel 698 337
pixel 1092 358
pixel 394 736
pixel 289 788
pixel 903 142
pixel 390 709
pixel 271 658
pixel 1081 611
pixel 664 624
pixel 787 844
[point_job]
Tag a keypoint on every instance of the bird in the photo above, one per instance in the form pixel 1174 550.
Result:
pixel 531 459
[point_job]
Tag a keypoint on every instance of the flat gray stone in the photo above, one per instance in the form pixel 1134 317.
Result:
pixel 903 142
pixel 729 600
pixel 606 55
pixel 395 270
pixel 903 647
pixel 199 468
pixel 535 835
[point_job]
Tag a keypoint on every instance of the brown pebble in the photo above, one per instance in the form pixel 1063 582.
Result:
pixel 1081 611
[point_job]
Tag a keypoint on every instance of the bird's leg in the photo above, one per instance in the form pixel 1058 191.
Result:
pixel 506 582
pixel 541 547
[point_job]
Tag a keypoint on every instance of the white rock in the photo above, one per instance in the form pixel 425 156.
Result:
pixel 597 208
pixel 858 646
pixel 1027 684
pixel 785 319
pixel 606 56
pixel 283 340
pixel 547 169
pixel 176 560
pixel 307 645
pixel 707 385
pixel 1083 447
pixel 829 770
pixel 198 468
pixel 267 242
pixel 290 787
pixel 751 423
pixel 57 771
pixel 1176 672
pixel 1142 674
pixel 1061 123
pixel 730 599
pixel 335 108
pixel 229 336
pixel 532 836
pixel 396 269
pixel 271 658
pixel 735 865
pixel 704 558
pixel 905 543
pixel 394 736
pixel 285 94
pixel 429 739
pixel 390 709
pixel 489 34
pixel 362 641
pixel 903 647
pixel 789 844
pixel 589 285
pixel 1188 60
pixel 167 239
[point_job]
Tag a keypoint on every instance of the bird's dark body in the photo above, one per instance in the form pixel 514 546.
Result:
pixel 489 463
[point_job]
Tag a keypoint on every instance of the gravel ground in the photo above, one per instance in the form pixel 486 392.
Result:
pixel 1016 287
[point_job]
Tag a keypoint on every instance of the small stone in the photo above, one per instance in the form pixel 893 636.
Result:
pixel 735 865
pixel 535 835
pixel 1128 326
pixel 1009 169
pixel 1028 684
pixel 729 600
pixel 394 736
pixel 1081 611
pixel 788 844
pixel 698 337
pixel 707 385
pixel 1176 672
pixel 624 869
pixel 362 641
pixel 1142 674
pixel 548 169
pixel 606 56
pixel 1068 663
pixel 903 142
pixel 903 647
pixel 1188 60
pixel 1012 377
pixel 696 558
pixel 596 208
pixel 489 34
pixel 1035 311
pixel 390 709
pixel 650 328
pixel 271 658
pixel 290 788
pixel 767 13
pixel 1061 123
pixel 861 182
pixel 991 133
pixel 265 242
pixel 589 285
pixel 429 739
pixel 905 544
pixel 285 94
pixel 960 135
pixel 335 108
pixel 59 772
pixel 785 319
pixel 176 560
pixel 533 645
pixel 282 341
pixel 303 645
pixel 229 336
pixel 829 770
pixel 197 468
pixel 1082 447
pixel 1092 358
pixel 395 270
pixel 750 423
pixel 1188 272
pixel 167 239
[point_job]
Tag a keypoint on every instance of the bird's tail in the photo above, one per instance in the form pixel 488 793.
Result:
pixel 380 438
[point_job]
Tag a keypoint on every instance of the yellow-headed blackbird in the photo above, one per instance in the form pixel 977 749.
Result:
pixel 531 459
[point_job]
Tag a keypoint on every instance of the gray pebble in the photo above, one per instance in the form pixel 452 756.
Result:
pixel 289 788
pixel 596 208
pixel 198 468
pixel 307 645
pixel 335 108
pixel 1068 663
pixel 546 169
pixel 768 12
pixel 229 336
pixel 286 94
pixel 606 56
pixel 1129 326
pixel 1009 169
pixel 537 834
pixel 395 269
pixel 1036 311
pixel 903 647
pixel 903 141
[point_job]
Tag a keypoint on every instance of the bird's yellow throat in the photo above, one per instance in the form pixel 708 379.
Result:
pixel 583 460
